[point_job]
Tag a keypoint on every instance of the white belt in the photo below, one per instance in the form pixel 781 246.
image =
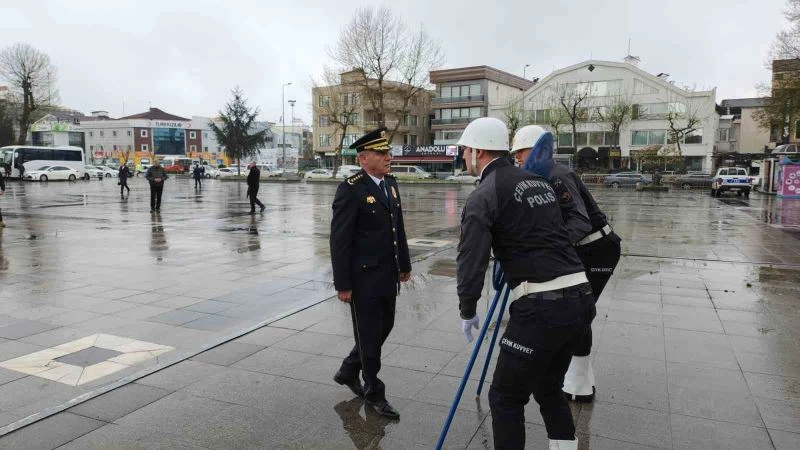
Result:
pixel 561 282
pixel 603 232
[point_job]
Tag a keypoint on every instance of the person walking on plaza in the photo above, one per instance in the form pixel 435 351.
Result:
pixel 2 191
pixel 156 175
pixel 124 173
pixel 597 245
pixel 198 172
pixel 253 183
pixel 370 259
pixel 518 216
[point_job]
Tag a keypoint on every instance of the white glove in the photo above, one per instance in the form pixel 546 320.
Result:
pixel 467 326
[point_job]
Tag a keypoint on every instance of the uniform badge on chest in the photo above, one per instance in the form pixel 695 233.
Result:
pixel 370 199
pixel 394 193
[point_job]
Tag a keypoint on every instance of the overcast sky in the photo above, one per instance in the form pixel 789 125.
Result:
pixel 185 56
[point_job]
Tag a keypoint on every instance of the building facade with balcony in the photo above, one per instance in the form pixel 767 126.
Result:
pixel 602 85
pixel 348 103
pixel 464 94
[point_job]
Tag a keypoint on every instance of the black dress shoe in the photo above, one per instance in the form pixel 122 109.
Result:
pixel 353 384
pixel 384 409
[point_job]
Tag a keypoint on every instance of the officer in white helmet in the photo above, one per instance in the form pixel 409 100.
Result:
pixel 518 215
pixel 595 242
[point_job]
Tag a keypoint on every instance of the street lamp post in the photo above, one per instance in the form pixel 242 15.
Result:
pixel 291 103
pixel 525 71
pixel 283 121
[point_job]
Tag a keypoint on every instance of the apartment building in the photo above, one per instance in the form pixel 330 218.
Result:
pixel 348 102
pixel 466 93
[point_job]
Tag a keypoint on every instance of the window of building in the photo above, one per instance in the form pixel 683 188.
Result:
pixel 205 135
pixel 657 137
pixel 145 148
pixel 649 137
pixel 446 114
pixel 581 139
pixel 324 121
pixel 350 119
pixel 129 148
pixel 205 149
pixel 723 134
pixel 596 138
pixel 349 139
pixel 324 100
pixel 639 137
pixel 350 98
pixel 143 133
pixel 410 139
pixel 169 141
pixel 129 133
pixel 91 148
pixel 192 148
pixel 694 137
pixel 101 148
pixel 469 90
pixel 102 133
pixel 91 134
pixel 565 139
pixel 114 133
pixel 192 135
pixel 324 140
pixel 115 148
pixel 411 120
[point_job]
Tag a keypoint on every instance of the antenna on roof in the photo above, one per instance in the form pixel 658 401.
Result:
pixel 629 46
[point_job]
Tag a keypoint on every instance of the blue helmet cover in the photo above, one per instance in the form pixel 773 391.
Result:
pixel 540 159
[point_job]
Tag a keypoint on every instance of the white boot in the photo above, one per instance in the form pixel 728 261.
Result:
pixel 564 445
pixel 579 380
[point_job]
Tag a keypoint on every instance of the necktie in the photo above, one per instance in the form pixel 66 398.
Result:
pixel 383 190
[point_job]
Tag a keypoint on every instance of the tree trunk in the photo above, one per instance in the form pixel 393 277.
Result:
pixel 27 108
pixel 238 166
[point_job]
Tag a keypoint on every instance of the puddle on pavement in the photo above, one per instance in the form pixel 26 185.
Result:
pixel 443 267
pixel 779 275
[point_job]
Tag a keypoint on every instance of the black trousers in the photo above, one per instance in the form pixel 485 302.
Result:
pixel 373 320
pixel 197 182
pixel 254 201
pixel 123 184
pixel 155 196
pixel 599 258
pixel 535 352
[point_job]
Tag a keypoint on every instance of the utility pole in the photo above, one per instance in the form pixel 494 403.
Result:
pixel 291 103
pixel 283 122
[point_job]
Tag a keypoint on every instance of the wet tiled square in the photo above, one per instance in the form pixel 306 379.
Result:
pixel 692 433
pixel 21 328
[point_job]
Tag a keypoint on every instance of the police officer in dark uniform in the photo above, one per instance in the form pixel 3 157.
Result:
pixel 370 258
pixel 518 215
pixel 598 246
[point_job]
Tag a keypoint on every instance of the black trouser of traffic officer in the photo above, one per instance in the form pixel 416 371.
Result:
pixel 535 352
pixel 599 258
pixel 155 196
pixel 123 184
pixel 373 319
pixel 197 182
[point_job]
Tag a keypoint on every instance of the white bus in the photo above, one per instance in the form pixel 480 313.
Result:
pixel 32 158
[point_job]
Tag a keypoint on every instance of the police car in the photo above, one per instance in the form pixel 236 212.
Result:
pixel 731 179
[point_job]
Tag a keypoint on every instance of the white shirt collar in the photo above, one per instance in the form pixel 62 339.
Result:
pixel 375 179
pixel 484 167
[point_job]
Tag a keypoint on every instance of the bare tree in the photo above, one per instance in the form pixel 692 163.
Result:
pixel 682 121
pixel 571 97
pixel 338 101
pixel 781 109
pixel 31 78
pixel 390 62
pixel 615 115
pixel 787 42
pixel 515 117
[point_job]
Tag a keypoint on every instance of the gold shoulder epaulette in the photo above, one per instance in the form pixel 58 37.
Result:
pixel 352 180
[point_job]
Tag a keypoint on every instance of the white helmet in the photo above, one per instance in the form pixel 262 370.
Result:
pixel 485 133
pixel 527 137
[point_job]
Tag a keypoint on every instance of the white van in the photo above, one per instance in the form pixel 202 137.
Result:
pixel 411 172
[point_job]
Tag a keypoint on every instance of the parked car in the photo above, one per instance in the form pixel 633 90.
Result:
pixel 93 172
pixel 347 171
pixel 108 172
pixel 731 179
pixel 227 172
pixel 786 149
pixel 694 180
pixel 627 179
pixel 411 172
pixel 52 173
pixel 319 173
pixel 210 171
pixel 464 178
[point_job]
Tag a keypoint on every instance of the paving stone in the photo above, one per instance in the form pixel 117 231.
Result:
pixel 119 402
pixel 228 353
pixel 50 432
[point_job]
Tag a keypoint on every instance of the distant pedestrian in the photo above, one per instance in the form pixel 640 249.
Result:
pixel 156 175
pixel 2 191
pixel 198 172
pixel 124 173
pixel 253 183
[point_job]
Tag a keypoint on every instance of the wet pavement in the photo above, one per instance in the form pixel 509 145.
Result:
pixel 695 339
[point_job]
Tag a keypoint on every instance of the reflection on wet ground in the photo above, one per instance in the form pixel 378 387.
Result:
pixel 695 339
